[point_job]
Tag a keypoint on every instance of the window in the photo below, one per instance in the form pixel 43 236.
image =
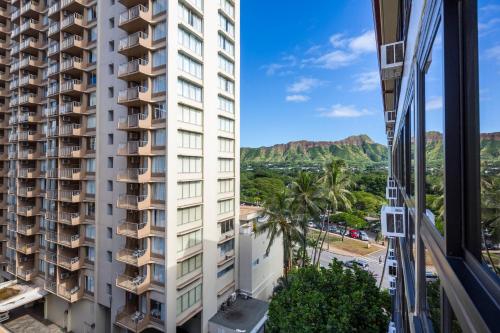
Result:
pixel 110 162
pixel 188 190
pixel 91 121
pixel 226 226
pixel 225 206
pixel 111 92
pixel 109 256
pixel 159 84
pixel 90 165
pixel 158 246
pixel 188 17
pixel 159 191
pixel 189 265
pixel 226 25
pixel 226 247
pixel 160 31
pixel 226 145
pixel 190 42
pixel 189 215
pixel 226 125
pixel 190 140
pixel 190 298
pixel 226 185
pixel 89 283
pixel 159 57
pixel 187 241
pixel 93 34
pixel 109 232
pixel 158 218
pixel 92 100
pixel 90 187
pixel 225 270
pixel 109 209
pixel 189 91
pixel 111 22
pixel 159 273
pixel 158 164
pixel 159 6
pixel 92 56
pixel 226 45
pixel 434 121
pixel 226 85
pixel 227 7
pixel 109 289
pixel 190 115
pixel 188 164
pixel 90 232
pixel 190 66
pixel 110 138
pixel 111 68
pixel 226 65
pixel 225 165
pixel 90 252
pixel 111 115
pixel 226 105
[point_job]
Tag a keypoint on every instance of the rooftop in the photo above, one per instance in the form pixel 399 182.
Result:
pixel 250 212
pixel 243 315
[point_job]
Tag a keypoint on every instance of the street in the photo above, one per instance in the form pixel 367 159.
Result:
pixel 373 262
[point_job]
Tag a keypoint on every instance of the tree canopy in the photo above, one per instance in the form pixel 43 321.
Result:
pixel 330 299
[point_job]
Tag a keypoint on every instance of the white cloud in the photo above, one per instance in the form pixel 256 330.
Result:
pixel 304 84
pixel 364 43
pixel 488 25
pixel 367 81
pixel 345 50
pixel 297 98
pixel 434 103
pixel 493 53
pixel 344 111
pixel 281 68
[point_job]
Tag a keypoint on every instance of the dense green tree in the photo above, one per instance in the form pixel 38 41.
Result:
pixel 330 299
pixel 367 203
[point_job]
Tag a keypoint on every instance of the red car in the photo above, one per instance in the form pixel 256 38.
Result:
pixel 354 233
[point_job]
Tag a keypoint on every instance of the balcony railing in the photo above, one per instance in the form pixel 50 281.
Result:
pixel 131 66
pixel 130 94
pixel 132 40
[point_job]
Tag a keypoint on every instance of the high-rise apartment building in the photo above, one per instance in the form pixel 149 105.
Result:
pixel 119 159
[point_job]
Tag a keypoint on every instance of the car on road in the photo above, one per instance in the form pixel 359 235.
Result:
pixel 353 233
pixel 311 224
pixel 363 236
pixel 430 276
pixel 334 229
pixel 363 264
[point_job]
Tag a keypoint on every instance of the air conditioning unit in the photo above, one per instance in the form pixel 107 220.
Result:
pixel 391 60
pixel 392 266
pixel 392 327
pixel 393 221
pixel 391 192
pixel 390 117
pixel 390 134
pixel 392 285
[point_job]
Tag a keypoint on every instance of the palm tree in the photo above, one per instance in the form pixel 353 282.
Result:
pixel 335 184
pixel 306 197
pixel 278 225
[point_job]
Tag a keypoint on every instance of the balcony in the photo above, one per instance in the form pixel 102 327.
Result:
pixel 72 107
pixel 70 263
pixel 139 175
pixel 71 173
pixel 133 229
pixel 31 63
pixel 135 284
pixel 131 147
pixel 53 50
pixel 71 196
pixel 134 202
pixel 27 229
pixel 26 273
pixel 53 29
pixel 73 87
pixel 51 286
pixel 73 23
pixel 135 45
pixel 69 240
pixel 27 248
pixel 136 321
pixel 134 96
pixel 70 294
pixel 73 45
pixel 135 70
pixel 70 130
pixel 72 66
pixel 143 121
pixel 71 151
pixel 30 80
pixel 73 5
pixel 136 18
pixel 28 173
pixel 138 257
pixel 28 211
pixel 53 11
pixel 31 9
pixel 70 218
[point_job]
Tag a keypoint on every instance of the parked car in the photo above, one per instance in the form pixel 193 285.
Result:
pixel 430 276
pixel 363 264
pixel 363 236
pixel 333 229
pixel 311 224
pixel 353 233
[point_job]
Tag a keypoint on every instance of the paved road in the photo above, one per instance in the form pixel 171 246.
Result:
pixel 373 263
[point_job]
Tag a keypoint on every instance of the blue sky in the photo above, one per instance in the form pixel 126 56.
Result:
pixel 310 72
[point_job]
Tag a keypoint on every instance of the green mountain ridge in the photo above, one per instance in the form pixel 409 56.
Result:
pixel 356 150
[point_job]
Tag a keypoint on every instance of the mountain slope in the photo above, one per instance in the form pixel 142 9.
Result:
pixel 358 149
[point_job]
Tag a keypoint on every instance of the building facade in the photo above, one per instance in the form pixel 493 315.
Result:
pixel 119 137
pixel 442 277
pixel 259 268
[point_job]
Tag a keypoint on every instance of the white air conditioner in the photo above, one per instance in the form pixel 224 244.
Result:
pixel 391 182
pixel 393 221
pixel 390 134
pixel 391 193
pixel 391 60
pixel 392 285
pixel 390 117
pixel 392 327
pixel 392 267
